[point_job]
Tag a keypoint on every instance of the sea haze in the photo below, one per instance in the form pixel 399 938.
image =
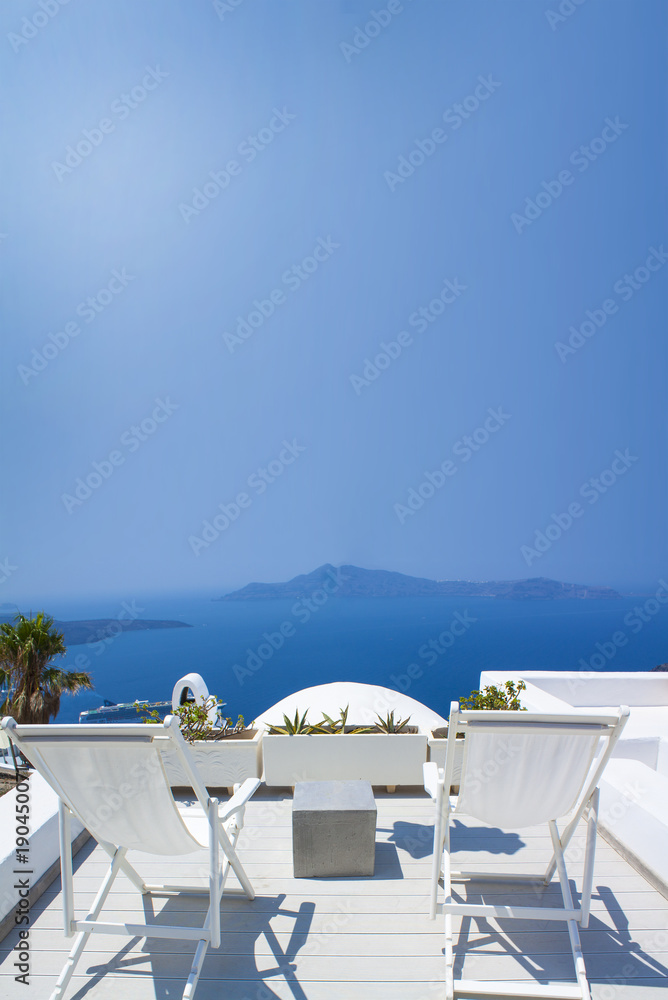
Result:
pixel 373 640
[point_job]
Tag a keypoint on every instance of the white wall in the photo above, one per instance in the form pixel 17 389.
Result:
pixel 587 689
pixel 43 839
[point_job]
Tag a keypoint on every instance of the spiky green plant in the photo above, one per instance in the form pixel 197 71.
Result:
pixel 335 726
pixel 339 727
pixel 293 727
pixel 35 686
pixel 388 724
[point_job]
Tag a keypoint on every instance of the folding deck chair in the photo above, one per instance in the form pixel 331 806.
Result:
pixel 521 769
pixel 112 779
pixel 8 753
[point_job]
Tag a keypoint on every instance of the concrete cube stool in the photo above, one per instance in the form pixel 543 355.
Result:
pixel 333 828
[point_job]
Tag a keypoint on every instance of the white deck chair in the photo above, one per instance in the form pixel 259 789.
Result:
pixel 111 777
pixel 8 752
pixel 521 769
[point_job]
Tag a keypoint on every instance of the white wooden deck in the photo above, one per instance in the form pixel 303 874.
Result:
pixel 352 939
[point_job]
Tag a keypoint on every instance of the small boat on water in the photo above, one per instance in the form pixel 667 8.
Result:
pixel 127 711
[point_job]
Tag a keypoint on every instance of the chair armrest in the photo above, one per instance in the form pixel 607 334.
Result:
pixel 239 799
pixel 430 775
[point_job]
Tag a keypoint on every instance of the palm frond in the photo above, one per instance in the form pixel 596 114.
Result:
pixel 27 649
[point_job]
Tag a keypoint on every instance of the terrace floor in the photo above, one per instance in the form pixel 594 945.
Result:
pixel 347 939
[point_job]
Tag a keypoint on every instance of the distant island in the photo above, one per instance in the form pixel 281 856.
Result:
pixel 76 633
pixel 351 581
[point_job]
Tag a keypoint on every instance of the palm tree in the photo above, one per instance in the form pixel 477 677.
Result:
pixel 34 686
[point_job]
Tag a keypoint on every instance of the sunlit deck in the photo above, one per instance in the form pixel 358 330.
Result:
pixel 340 939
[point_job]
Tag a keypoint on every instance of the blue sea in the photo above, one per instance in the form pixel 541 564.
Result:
pixel 247 661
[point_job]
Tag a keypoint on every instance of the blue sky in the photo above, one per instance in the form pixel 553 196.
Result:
pixel 220 225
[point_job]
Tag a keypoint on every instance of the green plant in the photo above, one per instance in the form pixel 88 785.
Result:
pixel 35 686
pixel 194 721
pixel 388 725
pixel 338 727
pixel 297 727
pixel 492 697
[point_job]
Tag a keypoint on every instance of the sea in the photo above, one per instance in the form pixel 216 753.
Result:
pixel 253 653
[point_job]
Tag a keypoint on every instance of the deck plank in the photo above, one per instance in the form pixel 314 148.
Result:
pixel 339 939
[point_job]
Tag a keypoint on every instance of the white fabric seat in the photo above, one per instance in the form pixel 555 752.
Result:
pixel 519 770
pixel 111 777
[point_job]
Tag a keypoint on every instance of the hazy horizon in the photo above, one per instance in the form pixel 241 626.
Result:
pixel 27 603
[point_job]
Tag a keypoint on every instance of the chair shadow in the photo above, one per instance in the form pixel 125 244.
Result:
pixel 621 934
pixel 417 839
pixel 162 955
pixel 161 962
pixel 510 937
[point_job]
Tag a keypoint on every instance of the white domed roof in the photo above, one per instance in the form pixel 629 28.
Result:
pixel 365 700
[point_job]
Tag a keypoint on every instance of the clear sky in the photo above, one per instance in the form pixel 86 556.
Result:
pixel 288 282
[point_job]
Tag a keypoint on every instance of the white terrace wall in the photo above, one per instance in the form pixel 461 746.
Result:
pixel 43 852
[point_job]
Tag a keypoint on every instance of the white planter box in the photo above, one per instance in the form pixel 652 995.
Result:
pixel 380 758
pixel 437 751
pixel 221 763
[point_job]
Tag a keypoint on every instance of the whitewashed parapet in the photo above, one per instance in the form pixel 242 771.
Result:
pixel 43 852
pixel 634 817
